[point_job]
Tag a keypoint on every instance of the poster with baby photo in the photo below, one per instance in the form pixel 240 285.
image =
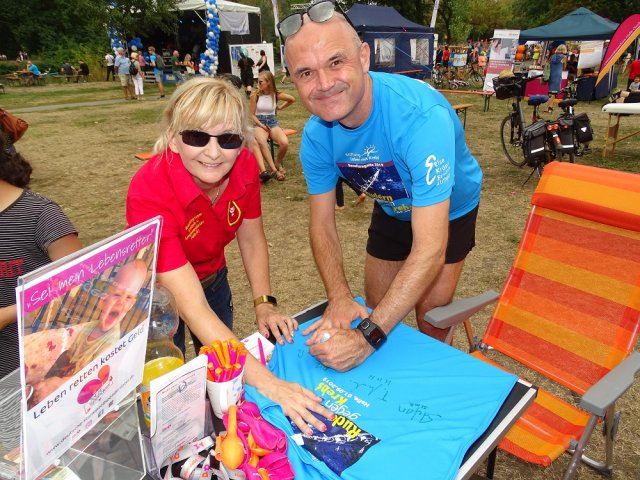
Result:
pixel 83 324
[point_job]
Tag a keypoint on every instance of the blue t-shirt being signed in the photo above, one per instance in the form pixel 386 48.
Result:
pixel 411 151
pixel 415 405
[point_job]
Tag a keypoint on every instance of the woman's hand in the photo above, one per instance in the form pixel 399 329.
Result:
pixel 270 320
pixel 297 403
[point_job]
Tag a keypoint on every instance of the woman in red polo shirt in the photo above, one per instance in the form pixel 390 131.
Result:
pixel 206 187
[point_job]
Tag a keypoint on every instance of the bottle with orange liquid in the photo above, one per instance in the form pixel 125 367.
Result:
pixel 162 354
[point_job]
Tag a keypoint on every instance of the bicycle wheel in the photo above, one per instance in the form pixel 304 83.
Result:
pixel 511 137
pixel 475 80
pixel 436 79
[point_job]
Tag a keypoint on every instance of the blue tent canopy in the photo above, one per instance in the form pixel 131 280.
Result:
pixel 581 24
pixel 367 18
pixel 397 44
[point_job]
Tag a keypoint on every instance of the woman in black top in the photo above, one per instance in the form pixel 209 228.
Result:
pixel 262 63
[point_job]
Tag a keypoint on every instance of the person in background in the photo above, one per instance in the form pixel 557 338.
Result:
pixel 138 78
pixel 245 64
pixel 204 183
pixel 33 69
pixel 558 63
pixel 572 67
pixel 263 64
pixel 625 62
pixel 121 65
pixel 68 70
pixel 108 60
pixel 83 71
pixel 176 67
pixel 263 105
pixel 400 142
pixel 157 69
pixel 634 70
pixel 632 95
pixel 259 148
pixel 189 67
pixel 439 55
pixel 34 231
pixel 446 55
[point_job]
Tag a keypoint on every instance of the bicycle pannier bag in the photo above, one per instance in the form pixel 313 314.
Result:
pixel 533 141
pixel 582 125
pixel 507 87
pixel 565 132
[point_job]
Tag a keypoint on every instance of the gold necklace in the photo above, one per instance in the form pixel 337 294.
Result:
pixel 215 199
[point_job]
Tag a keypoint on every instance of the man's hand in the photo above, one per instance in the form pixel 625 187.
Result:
pixel 338 314
pixel 270 320
pixel 341 349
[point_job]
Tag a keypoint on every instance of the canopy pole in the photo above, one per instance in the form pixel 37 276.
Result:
pixel 434 15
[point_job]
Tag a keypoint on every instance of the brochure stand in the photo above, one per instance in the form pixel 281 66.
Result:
pixel 111 450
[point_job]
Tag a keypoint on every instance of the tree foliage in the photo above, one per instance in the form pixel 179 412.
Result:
pixel 41 26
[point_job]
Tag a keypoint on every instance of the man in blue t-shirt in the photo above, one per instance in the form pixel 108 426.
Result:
pixel 157 71
pixel 121 67
pixel 400 142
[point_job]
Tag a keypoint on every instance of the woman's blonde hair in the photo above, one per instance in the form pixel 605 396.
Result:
pixel 561 48
pixel 268 76
pixel 201 102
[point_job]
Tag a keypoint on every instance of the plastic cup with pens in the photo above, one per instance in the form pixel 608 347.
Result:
pixel 225 373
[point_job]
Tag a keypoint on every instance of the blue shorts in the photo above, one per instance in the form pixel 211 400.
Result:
pixel 158 77
pixel 270 121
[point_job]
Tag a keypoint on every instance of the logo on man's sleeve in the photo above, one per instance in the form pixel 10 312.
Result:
pixel 438 171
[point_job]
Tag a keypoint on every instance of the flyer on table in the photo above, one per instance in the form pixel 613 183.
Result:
pixel 83 324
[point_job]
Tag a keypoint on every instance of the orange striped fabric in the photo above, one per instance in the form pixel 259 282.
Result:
pixel 570 308
pixel 606 196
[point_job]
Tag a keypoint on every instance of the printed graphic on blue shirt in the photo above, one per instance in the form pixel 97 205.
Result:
pixel 340 446
pixel 380 181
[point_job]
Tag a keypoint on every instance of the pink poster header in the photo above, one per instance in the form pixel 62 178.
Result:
pixel 77 272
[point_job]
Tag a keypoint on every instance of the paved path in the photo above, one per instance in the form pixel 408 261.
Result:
pixel 60 106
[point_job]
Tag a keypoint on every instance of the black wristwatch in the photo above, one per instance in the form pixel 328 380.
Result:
pixel 373 334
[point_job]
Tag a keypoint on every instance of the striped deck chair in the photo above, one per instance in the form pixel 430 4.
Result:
pixel 570 309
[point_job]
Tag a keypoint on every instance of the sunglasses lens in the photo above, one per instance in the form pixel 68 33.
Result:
pixel 230 140
pixel 195 138
pixel 322 11
pixel 290 25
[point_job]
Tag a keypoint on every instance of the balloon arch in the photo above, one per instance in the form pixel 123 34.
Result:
pixel 209 58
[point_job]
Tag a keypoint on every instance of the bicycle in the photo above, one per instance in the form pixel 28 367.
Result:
pixel 454 82
pixel 435 76
pixel 474 77
pixel 582 131
pixel 535 144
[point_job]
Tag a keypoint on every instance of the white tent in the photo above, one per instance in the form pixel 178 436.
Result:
pixel 223 6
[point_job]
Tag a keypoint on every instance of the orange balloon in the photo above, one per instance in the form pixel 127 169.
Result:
pixel 231 450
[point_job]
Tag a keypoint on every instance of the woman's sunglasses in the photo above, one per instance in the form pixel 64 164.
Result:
pixel 318 12
pixel 196 138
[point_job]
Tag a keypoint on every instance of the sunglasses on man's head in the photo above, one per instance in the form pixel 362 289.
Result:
pixel 196 138
pixel 319 12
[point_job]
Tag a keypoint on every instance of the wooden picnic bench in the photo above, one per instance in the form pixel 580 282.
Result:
pixel 487 95
pixel 462 108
